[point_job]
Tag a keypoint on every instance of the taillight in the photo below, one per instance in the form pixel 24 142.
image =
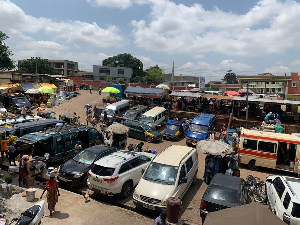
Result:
pixel 111 180
pixel 203 208
pixel 89 174
pixel 203 205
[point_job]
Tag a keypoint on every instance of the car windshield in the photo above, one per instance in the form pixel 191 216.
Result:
pixel 86 157
pixel 296 210
pixel 130 115
pixel 110 112
pixel 21 101
pixel 172 127
pixel 102 171
pixel 161 173
pixel 220 193
pixel 198 128
pixel 147 119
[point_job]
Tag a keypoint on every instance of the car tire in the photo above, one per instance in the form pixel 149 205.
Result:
pixel 251 165
pixel 126 189
pixel 148 139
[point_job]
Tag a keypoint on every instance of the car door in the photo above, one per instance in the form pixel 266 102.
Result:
pixel 135 173
pixel 279 189
pixel 181 186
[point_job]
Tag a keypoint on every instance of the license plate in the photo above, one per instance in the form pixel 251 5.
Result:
pixel 148 206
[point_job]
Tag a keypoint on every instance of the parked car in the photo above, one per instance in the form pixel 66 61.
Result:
pixel 135 112
pixel 284 198
pixel 170 174
pixel 74 171
pixel 142 131
pixel 224 191
pixel 119 172
pixel 175 129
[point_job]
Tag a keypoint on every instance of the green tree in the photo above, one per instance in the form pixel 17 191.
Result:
pixel 36 65
pixel 230 77
pixel 108 78
pixel 5 61
pixel 121 81
pixel 126 60
pixel 155 75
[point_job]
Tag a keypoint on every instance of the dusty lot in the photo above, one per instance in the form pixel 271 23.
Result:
pixel 73 210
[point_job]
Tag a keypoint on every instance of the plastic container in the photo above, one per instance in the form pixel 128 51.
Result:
pixel 30 195
pixel 173 208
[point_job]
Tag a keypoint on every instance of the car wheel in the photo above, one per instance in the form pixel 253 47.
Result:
pixel 148 139
pixel 251 165
pixel 126 189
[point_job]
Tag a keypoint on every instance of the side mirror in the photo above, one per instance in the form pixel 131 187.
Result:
pixel 143 170
pixel 183 180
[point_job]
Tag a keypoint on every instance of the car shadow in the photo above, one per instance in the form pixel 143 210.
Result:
pixel 60 215
pixel 188 198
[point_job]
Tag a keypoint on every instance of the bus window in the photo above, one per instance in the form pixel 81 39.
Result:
pixel 267 146
pixel 250 144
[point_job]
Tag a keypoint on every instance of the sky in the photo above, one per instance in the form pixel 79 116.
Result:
pixel 204 38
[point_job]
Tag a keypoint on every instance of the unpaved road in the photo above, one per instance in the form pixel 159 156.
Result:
pixel 191 202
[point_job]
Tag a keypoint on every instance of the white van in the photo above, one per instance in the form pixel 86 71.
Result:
pixel 154 117
pixel 116 109
pixel 170 174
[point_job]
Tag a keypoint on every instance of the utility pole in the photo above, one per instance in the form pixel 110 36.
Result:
pixel 247 108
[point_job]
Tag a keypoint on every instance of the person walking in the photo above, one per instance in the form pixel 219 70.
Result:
pixel 11 153
pixel 90 89
pixel 23 170
pixel 52 193
pixel 100 90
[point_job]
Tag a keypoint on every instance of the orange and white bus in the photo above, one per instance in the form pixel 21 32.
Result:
pixel 270 150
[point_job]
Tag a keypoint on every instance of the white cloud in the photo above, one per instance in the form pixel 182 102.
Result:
pixel 270 27
pixel 122 4
pixel 77 33
pixel 278 70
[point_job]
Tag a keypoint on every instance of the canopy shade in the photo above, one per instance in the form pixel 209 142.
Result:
pixel 111 90
pixel 46 90
pixel 231 93
pixel 49 85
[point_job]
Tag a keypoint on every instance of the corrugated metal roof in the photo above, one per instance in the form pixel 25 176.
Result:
pixel 267 100
pixel 144 91
pixel 186 94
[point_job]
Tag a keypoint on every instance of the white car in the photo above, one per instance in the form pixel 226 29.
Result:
pixel 118 172
pixel 284 198
pixel 170 174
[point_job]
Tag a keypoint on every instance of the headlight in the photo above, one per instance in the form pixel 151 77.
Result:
pixel 135 195
pixel 78 175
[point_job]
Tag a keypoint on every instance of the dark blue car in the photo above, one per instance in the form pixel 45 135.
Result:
pixel 174 130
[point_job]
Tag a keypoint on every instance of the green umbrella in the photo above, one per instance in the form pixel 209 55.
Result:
pixel 111 90
pixel 46 90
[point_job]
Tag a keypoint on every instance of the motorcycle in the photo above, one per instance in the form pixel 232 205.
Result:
pixel 255 188
pixel 31 216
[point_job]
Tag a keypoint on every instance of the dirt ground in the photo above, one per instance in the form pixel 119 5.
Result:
pixel 72 208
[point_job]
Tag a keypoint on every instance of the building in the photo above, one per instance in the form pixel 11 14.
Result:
pixel 185 81
pixel 65 67
pixel 101 72
pixel 265 83
pixel 221 86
